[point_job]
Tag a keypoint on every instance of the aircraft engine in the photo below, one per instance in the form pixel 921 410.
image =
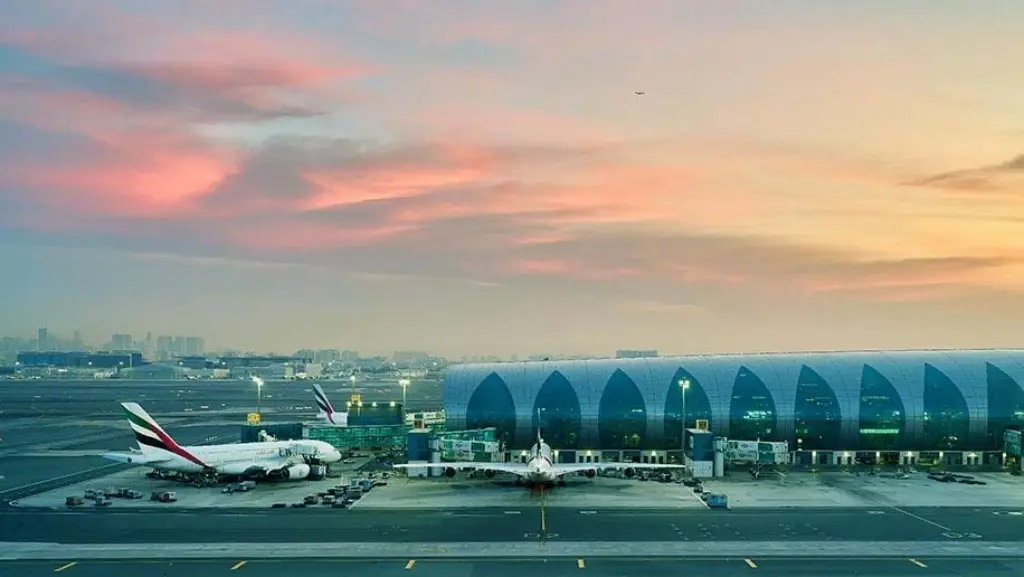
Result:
pixel 630 472
pixel 489 473
pixel 449 472
pixel 590 473
pixel 295 472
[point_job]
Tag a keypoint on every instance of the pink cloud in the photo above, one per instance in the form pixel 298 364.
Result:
pixel 133 173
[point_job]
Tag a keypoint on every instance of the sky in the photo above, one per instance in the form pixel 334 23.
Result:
pixel 473 177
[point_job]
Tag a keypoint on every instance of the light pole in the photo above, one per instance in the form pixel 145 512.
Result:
pixel 259 393
pixel 683 385
pixel 404 383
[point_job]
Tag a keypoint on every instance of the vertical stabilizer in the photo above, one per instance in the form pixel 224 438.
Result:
pixel 152 439
pixel 324 405
pixel 540 440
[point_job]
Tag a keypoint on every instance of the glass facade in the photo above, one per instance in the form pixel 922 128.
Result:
pixel 946 419
pixel 622 416
pixel 752 410
pixel 492 406
pixel 816 419
pixel 868 401
pixel 697 407
pixel 1005 403
pixel 557 411
pixel 385 438
pixel 883 420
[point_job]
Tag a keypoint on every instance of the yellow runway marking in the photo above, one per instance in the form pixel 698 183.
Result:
pixel 238 566
pixel 65 567
pixel 410 564
pixel 581 564
pixel 750 563
pixel 918 563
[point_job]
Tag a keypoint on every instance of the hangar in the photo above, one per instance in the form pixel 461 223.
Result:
pixel 934 400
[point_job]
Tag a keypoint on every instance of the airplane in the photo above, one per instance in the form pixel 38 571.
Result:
pixel 327 412
pixel 278 460
pixel 539 469
pixel 639 93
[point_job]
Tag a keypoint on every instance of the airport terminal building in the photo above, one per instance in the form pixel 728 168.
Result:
pixel 898 402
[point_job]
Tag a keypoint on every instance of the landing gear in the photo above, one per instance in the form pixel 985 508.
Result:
pixel 206 479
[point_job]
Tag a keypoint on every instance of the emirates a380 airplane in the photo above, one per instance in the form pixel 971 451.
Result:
pixel 266 460
pixel 540 469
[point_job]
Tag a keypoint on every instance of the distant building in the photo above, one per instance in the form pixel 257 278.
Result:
pixel 80 360
pixel 122 342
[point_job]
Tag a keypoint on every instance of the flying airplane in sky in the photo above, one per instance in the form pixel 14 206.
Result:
pixel 540 469
pixel 639 93
pixel 281 460
pixel 327 412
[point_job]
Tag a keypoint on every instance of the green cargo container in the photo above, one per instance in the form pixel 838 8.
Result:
pixel 470 457
pixel 488 434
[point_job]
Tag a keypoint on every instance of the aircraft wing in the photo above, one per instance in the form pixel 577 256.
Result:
pixel 566 468
pixel 133 459
pixel 514 468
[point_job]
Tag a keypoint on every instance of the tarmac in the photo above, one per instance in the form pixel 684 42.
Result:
pixel 634 566
pixel 791 490
pixel 839 489
pixel 831 525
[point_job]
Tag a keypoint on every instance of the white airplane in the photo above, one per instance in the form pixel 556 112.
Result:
pixel 539 469
pixel 327 411
pixel 268 460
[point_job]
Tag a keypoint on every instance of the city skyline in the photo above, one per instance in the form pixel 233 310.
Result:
pixel 478 178
pixel 45 339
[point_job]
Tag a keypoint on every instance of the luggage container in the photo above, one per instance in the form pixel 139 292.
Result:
pixel 717 501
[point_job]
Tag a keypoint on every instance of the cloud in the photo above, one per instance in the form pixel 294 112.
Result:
pixel 1006 176
pixel 200 91
pixel 764 264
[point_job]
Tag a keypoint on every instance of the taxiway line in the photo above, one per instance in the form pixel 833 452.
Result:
pixel 922 519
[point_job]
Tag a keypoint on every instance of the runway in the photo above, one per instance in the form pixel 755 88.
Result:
pixel 629 567
pixel 33 399
pixel 325 525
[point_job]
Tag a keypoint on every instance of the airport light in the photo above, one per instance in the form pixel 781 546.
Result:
pixel 404 383
pixel 683 385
